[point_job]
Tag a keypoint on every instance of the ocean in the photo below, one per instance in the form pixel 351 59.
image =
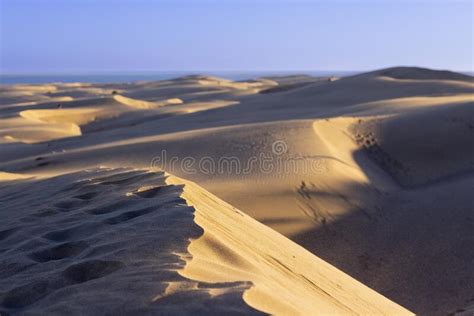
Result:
pixel 152 76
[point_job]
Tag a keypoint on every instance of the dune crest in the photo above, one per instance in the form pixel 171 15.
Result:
pixel 109 230
pixel 286 279
pixel 8 176
pixel 97 243
pixel 141 104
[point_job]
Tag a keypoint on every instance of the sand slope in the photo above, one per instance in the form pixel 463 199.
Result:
pixel 102 241
pixel 286 279
pixel 424 146
pixel 78 242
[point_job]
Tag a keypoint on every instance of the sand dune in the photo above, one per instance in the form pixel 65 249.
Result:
pixel 34 126
pixel 40 122
pixel 401 144
pixel 91 242
pixel 145 104
pixel 417 73
pixel 56 92
pixel 286 279
pixel 108 233
pixel 371 173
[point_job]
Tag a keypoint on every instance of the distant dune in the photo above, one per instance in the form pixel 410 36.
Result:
pixel 144 104
pixel 417 73
pixel 285 191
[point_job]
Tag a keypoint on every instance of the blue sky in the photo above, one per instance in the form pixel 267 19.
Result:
pixel 49 36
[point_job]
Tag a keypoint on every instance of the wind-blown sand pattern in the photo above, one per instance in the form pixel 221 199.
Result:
pixel 372 182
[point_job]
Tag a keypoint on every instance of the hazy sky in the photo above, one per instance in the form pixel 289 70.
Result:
pixel 47 36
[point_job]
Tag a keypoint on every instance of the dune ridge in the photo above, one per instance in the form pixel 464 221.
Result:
pixel 102 241
pixel 235 247
pixel 145 104
pixel 101 232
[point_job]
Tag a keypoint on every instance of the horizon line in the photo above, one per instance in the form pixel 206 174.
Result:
pixel 199 71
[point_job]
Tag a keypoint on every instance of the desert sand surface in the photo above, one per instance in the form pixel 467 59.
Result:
pixel 288 195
